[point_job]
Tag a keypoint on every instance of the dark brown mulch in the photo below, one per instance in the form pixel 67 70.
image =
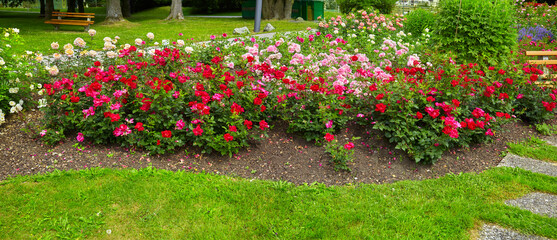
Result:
pixel 282 156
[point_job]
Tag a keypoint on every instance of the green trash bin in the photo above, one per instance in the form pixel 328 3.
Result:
pixel 312 9
pixel 248 9
pixel 296 9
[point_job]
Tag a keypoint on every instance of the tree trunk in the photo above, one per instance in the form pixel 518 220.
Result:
pixel 126 8
pixel 276 9
pixel 71 5
pixel 113 11
pixel 176 12
pixel 49 7
pixel 80 6
pixel 42 14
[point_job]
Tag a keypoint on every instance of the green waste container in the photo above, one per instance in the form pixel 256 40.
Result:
pixel 312 9
pixel 296 9
pixel 248 9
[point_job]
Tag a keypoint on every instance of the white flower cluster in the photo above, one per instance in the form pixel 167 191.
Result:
pixel 16 107
pixel 2 117
pixel 14 90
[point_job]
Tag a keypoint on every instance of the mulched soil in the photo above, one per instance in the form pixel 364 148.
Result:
pixel 282 156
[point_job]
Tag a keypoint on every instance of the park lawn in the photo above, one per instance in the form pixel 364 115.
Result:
pixel 39 35
pixel 535 148
pixel 160 204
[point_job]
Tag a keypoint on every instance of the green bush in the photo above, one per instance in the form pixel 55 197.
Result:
pixel 383 6
pixel 418 20
pixel 477 30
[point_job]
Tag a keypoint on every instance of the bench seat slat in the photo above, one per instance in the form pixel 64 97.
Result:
pixel 72 16
pixel 542 61
pixel 70 23
pixel 63 21
pixel 541 53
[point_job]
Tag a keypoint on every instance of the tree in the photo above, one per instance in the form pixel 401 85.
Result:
pixel 71 5
pixel 42 12
pixel 80 6
pixel 276 9
pixel 48 8
pixel 176 10
pixel 113 11
pixel 126 8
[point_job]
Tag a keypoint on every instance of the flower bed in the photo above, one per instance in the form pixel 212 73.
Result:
pixel 223 95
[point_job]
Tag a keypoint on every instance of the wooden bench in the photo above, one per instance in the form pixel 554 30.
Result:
pixel 544 59
pixel 76 19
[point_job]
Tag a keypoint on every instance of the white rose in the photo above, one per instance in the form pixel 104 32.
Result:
pixel 180 43
pixel 55 45
pixel 39 86
pixel 107 39
pixel 189 50
pixel 150 35
pixel 6 34
pixel 111 54
pixel 92 32
pixel 32 87
pixel 12 103
pixel 16 30
pixel 68 46
pixel 138 41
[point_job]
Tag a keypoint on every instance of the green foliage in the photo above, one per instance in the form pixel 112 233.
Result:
pixel 340 154
pixel 546 129
pixel 477 30
pixel 418 20
pixel 383 6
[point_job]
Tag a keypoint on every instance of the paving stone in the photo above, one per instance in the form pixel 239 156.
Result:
pixel 538 203
pixel 529 164
pixel 551 140
pixel 493 232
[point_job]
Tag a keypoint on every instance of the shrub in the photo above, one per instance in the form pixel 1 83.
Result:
pixel 383 6
pixel 418 20
pixel 477 29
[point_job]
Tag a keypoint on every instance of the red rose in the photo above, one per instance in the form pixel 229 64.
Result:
pixel 64 97
pixel 419 115
pixel 233 128
pixel 263 125
pixel 248 124
pixel 380 96
pixel 166 134
pixel 354 58
pixel 74 99
pixel 257 101
pixel 228 137
pixel 381 107
pixel 349 146
pixel 97 63
pixel 263 108
pixel 329 137
pixel 139 126
pixel 197 131
pixel 239 84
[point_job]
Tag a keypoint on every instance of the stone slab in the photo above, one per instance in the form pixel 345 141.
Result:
pixel 529 164
pixel 493 232
pixel 539 203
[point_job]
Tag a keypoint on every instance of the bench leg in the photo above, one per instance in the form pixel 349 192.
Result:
pixel 57 27
pixel 86 28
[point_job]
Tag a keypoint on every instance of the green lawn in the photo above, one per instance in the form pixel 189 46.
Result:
pixel 159 204
pixel 535 148
pixel 39 35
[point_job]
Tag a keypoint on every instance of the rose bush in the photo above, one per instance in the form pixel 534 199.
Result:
pixel 222 94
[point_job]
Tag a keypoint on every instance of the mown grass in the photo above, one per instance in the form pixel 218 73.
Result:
pixel 38 35
pixel 534 148
pixel 159 204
